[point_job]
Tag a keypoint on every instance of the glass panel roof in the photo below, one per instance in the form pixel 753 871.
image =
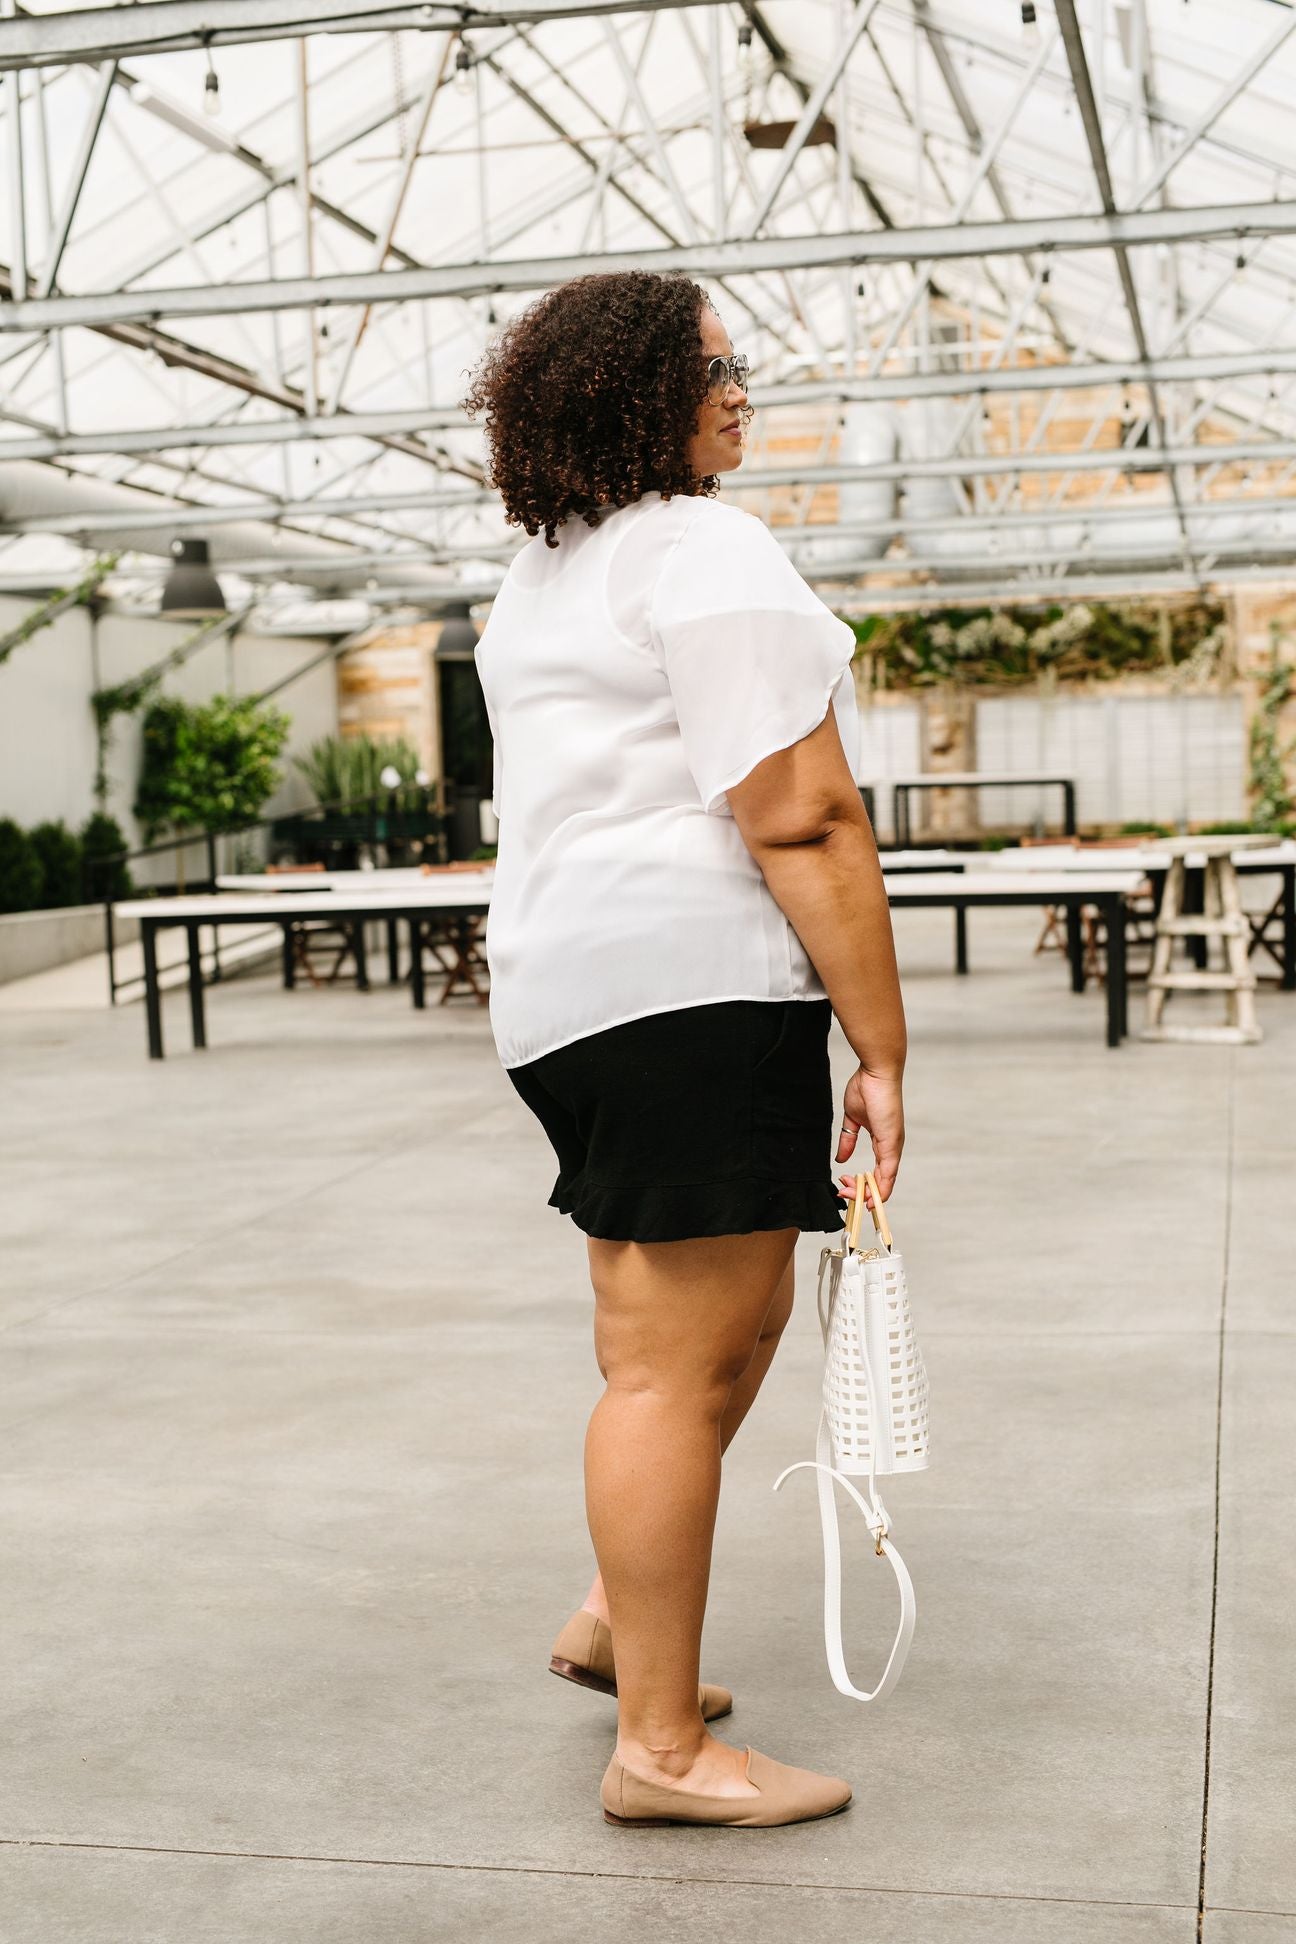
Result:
pixel 565 138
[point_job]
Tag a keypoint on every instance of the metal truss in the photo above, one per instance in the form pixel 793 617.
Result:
pixel 891 387
pixel 1120 460
pixel 781 239
pixel 167 26
pixel 856 249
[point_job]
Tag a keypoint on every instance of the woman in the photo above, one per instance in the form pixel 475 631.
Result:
pixel 686 890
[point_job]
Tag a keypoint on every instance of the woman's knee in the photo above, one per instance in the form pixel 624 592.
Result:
pixel 703 1370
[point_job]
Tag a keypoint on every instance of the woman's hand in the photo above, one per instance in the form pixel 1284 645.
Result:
pixel 873 1104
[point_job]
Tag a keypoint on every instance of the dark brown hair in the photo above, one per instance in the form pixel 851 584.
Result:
pixel 591 395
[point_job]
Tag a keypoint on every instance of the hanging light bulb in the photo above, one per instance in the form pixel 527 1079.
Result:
pixel 211 89
pixel 463 68
pixel 1030 25
pixel 745 48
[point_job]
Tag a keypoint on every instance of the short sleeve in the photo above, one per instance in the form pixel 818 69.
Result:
pixel 753 657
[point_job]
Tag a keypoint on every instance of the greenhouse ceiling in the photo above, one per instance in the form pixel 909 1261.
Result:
pixel 1018 294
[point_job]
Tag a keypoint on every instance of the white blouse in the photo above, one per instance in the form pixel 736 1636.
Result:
pixel 631 675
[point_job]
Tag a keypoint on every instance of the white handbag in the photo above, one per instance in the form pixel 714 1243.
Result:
pixel 875 1413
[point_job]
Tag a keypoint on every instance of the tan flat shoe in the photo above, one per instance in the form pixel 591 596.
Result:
pixel 583 1653
pixel 787 1795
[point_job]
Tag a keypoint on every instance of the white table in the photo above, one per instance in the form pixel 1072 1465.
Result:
pixel 469 901
pixel 1251 858
pixel 958 890
pixel 1108 890
pixel 399 878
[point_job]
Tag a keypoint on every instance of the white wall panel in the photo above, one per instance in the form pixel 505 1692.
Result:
pixel 47 730
pixel 890 745
pixel 1134 758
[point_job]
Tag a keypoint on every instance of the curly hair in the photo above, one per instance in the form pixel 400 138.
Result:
pixel 591 395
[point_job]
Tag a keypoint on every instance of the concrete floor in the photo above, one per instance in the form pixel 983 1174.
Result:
pixel 296 1372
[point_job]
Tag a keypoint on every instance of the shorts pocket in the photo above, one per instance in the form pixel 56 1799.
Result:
pixel 771 1025
pixel 792 1108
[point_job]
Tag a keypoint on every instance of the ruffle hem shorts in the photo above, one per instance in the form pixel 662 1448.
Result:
pixel 704 1120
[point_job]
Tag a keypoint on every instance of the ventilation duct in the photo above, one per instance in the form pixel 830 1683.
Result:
pixel 29 490
pixel 868 437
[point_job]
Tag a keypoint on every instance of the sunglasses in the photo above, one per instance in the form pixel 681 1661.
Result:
pixel 724 372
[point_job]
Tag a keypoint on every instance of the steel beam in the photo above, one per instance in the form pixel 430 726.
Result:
pixel 1224 100
pixel 810 113
pixel 1073 41
pixel 17 183
pixel 109 33
pixel 951 466
pixel 1030 592
pixel 1109 231
pixel 76 179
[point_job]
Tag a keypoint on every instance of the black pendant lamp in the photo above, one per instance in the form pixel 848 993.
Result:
pixel 191 592
pixel 457 640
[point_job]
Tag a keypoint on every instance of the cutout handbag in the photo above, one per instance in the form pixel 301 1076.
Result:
pixel 875 1412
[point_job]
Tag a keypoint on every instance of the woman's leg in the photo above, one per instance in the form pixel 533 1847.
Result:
pixel 676 1327
pixel 741 1397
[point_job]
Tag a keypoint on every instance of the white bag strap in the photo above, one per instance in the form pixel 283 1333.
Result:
pixel 875 1515
pixel 876 1520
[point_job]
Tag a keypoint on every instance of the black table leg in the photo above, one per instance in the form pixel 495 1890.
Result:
pixel 900 815
pixel 1068 809
pixel 1075 945
pixel 289 958
pixel 152 996
pixel 196 1018
pixel 960 938
pixel 393 954
pixel 416 962
pixel 1289 928
pixel 1114 915
pixel 361 958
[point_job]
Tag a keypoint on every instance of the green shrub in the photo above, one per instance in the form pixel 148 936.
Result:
pixel 20 869
pixel 102 837
pixel 345 769
pixel 1240 827
pixel 59 852
pixel 1137 829
pixel 209 767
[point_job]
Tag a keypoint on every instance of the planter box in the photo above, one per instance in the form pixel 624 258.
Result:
pixel 33 941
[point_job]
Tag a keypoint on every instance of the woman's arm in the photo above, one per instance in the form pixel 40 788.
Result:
pixel 801 817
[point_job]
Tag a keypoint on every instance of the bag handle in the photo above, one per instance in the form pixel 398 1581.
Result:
pixel 875 1513
pixel 877 1214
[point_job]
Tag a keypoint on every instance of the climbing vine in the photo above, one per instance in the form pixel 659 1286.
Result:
pixel 1271 797
pixel 131 695
pixel 58 603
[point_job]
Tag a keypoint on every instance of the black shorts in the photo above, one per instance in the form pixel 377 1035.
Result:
pixel 705 1120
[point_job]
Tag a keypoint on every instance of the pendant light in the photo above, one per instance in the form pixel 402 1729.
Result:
pixel 191 592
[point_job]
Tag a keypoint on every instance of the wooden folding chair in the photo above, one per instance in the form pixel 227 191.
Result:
pixel 317 938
